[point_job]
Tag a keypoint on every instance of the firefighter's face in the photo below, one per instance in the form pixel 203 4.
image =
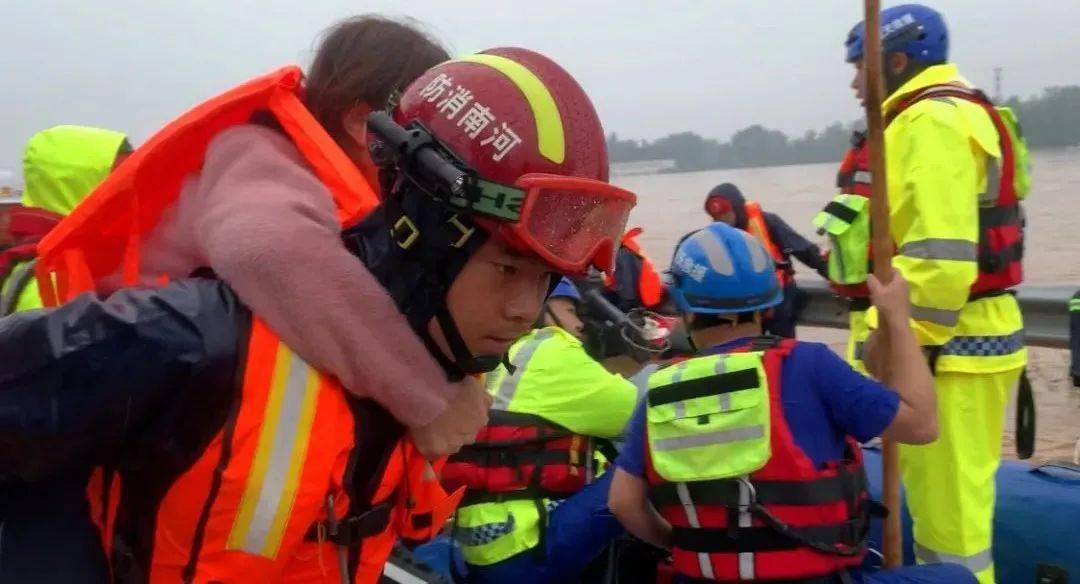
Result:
pixel 858 83
pixel 562 312
pixel 496 298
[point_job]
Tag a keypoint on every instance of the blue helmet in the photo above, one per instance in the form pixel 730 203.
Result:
pixel 913 29
pixel 723 270
pixel 565 289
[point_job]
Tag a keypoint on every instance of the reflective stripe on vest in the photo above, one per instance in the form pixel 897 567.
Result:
pixel 274 476
pixel 984 346
pixel 281 462
pixel 976 562
pixel 717 511
pixel 755 224
pixel 256 492
pixel 509 383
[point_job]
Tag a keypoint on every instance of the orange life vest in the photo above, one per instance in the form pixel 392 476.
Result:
pixel 257 504
pixel 104 232
pixel 756 226
pixel 650 288
pixel 270 499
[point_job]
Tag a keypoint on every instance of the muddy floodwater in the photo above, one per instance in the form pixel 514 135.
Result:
pixel 669 205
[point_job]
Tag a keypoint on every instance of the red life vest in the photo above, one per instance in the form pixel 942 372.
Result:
pixel 853 177
pixel 25 227
pixel 650 288
pixel 767 526
pixel 520 456
pixel 1001 225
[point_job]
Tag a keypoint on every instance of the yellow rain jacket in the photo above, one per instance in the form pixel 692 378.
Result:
pixel 939 153
pixel 61 166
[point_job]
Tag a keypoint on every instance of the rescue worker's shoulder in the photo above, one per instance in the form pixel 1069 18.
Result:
pixel 198 317
pixel 548 338
pixel 948 116
pixel 252 142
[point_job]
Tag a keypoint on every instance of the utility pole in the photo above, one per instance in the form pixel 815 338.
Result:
pixel 997 85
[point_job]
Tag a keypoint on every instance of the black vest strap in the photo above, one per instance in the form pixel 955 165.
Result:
pixel 704 386
pixel 991 262
pixel 505 418
pixel 351 530
pixel 999 216
pixel 760 539
pixel 841 212
pixel 835 489
pixel 496 457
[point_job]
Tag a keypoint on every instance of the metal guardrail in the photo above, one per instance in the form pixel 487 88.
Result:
pixel 1045 308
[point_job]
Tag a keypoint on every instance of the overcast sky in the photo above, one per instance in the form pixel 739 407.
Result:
pixel 651 68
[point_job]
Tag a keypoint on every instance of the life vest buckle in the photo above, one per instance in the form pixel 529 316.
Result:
pixel 753 498
pixel 352 530
pixel 466 232
pixel 406 241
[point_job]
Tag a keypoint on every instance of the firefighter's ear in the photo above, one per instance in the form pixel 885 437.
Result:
pixel 897 63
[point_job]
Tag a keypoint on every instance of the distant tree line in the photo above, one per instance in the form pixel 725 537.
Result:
pixel 1049 120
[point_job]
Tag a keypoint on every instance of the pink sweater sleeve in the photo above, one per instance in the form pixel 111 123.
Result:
pixel 268 228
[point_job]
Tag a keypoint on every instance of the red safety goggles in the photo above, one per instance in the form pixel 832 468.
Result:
pixel 569 222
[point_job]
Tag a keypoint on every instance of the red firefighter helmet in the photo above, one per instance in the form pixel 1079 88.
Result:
pixel 527 129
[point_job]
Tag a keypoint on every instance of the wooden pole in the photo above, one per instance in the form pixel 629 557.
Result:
pixel 873 61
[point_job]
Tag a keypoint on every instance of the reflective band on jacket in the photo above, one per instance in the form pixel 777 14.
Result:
pixel 509 383
pixel 721 437
pixel 708 417
pixel 1074 305
pixel 976 562
pixel 939 316
pixel 941 249
pixel 484 534
pixel 282 447
pixel 984 346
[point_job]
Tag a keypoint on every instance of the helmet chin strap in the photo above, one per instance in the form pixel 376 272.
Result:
pixel 462 358
pixel 554 319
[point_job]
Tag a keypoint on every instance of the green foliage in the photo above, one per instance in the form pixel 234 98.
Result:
pixel 1050 120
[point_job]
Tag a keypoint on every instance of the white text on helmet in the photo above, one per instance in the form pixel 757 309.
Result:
pixel 476 119
pixel 688 266
pixel 897 24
